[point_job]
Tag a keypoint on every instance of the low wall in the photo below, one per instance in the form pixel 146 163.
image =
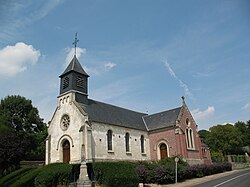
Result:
pixel 31 163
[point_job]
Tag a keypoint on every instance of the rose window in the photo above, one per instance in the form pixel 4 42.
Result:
pixel 65 122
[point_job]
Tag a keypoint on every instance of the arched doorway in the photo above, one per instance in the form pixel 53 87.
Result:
pixel 163 151
pixel 66 151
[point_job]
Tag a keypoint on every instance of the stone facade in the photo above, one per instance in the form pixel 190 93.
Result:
pixel 118 152
pixel 57 136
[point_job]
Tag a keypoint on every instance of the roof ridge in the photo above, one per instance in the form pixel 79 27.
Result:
pixel 119 107
pixel 144 122
pixel 163 111
pixel 74 62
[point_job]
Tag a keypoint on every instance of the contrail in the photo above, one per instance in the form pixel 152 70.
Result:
pixel 181 83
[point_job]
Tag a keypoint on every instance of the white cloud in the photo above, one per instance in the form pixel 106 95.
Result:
pixel 202 115
pixel 181 83
pixel 71 53
pixel 14 59
pixel 109 65
pixel 246 107
pixel 100 69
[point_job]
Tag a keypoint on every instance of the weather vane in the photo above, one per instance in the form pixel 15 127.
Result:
pixel 75 42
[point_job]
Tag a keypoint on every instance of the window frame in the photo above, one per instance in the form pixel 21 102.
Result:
pixel 110 140
pixel 127 142
pixel 142 144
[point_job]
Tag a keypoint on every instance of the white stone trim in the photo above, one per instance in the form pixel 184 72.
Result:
pixel 158 148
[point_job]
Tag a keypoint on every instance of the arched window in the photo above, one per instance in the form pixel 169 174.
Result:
pixel 163 151
pixel 142 144
pixel 109 139
pixel 187 138
pixel 190 138
pixel 65 122
pixel 127 142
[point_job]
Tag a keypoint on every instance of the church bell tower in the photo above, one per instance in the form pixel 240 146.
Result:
pixel 75 79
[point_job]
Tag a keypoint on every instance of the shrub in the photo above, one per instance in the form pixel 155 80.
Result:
pixel 160 175
pixel 10 178
pixel 238 158
pixel 161 172
pixel 119 174
pixel 227 166
pixel 75 172
pixel 142 173
pixel 53 175
pixel 116 174
pixel 204 170
pixel 28 179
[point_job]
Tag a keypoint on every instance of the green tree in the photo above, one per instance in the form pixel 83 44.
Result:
pixel 203 135
pixel 248 133
pixel 22 130
pixel 224 138
pixel 12 150
pixel 242 127
pixel 20 114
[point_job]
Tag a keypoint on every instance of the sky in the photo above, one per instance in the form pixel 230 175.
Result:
pixel 140 54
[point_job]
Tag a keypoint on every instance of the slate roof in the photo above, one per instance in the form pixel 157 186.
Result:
pixel 75 66
pixel 162 119
pixel 110 114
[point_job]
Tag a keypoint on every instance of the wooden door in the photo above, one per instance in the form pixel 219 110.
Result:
pixel 163 151
pixel 66 152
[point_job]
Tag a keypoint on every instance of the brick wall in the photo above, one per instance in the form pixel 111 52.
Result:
pixel 166 136
pixel 176 140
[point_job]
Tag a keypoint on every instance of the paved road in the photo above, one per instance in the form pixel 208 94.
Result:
pixel 239 179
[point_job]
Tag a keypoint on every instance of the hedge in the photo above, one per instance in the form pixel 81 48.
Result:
pixel 115 174
pixel 120 174
pixel 201 170
pixel 28 179
pixel 50 175
pixel 161 172
pixel 10 178
pixel 238 158
pixel 54 175
pixel 112 174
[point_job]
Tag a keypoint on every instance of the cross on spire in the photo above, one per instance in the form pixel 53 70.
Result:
pixel 75 42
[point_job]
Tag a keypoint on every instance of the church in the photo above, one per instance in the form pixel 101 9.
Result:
pixel 86 130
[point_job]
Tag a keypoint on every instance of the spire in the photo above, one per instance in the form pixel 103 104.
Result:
pixel 75 66
pixel 74 79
